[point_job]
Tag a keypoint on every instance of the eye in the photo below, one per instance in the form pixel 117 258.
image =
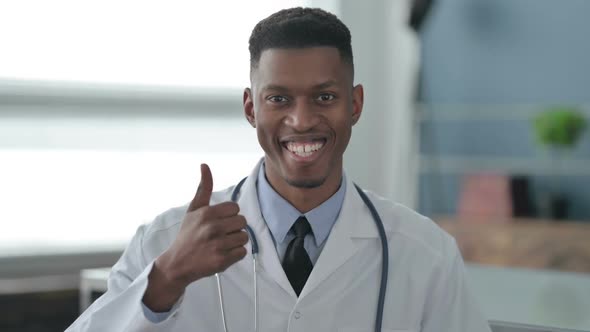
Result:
pixel 324 97
pixel 277 99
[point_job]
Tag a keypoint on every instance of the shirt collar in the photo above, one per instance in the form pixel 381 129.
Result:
pixel 280 215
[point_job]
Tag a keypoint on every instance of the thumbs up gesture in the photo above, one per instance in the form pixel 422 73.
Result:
pixel 211 238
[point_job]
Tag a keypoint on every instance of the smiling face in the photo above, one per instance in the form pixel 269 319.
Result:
pixel 303 106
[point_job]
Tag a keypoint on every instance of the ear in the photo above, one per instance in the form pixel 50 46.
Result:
pixel 248 101
pixel 357 103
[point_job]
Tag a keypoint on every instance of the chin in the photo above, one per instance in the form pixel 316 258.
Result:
pixel 306 183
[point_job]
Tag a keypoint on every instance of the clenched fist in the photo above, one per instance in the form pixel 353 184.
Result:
pixel 211 238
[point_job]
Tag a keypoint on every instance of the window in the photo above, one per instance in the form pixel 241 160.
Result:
pixel 101 179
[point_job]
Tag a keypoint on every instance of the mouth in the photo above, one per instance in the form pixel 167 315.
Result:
pixel 304 149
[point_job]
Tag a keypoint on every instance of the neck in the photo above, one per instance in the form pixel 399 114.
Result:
pixel 305 199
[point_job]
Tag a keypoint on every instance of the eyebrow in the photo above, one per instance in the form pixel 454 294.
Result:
pixel 274 87
pixel 320 86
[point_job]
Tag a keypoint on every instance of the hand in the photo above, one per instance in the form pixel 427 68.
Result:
pixel 210 239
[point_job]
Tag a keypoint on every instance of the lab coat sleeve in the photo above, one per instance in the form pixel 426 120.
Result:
pixel 451 307
pixel 120 308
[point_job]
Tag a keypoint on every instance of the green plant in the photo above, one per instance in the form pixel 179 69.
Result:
pixel 559 127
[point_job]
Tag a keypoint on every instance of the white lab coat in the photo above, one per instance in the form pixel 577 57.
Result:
pixel 426 289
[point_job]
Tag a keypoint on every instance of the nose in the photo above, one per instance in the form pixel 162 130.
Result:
pixel 302 116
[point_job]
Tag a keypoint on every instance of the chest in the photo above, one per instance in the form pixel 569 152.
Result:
pixel 346 300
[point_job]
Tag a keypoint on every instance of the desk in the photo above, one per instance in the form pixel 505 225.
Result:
pixel 527 296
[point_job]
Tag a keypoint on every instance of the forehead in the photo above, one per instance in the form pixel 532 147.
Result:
pixel 301 67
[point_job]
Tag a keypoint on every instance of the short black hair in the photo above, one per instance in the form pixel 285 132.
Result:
pixel 300 28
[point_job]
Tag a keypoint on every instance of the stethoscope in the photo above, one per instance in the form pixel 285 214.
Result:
pixel 254 244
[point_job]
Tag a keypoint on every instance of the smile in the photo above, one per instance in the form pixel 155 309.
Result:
pixel 305 149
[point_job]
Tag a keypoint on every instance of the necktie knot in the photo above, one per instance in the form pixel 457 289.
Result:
pixel 301 227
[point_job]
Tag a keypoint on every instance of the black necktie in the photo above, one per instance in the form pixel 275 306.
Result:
pixel 296 263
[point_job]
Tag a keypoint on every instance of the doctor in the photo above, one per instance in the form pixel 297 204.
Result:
pixel 320 253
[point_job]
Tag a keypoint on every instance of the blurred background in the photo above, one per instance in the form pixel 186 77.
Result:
pixel 476 115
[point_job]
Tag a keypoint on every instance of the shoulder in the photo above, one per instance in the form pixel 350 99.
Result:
pixel 415 230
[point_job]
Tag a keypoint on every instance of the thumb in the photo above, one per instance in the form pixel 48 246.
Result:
pixel 204 191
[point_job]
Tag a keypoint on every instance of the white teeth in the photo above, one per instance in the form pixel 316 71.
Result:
pixel 304 149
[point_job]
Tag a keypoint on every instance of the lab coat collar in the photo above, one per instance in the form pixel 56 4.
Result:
pixel 267 254
pixel 353 230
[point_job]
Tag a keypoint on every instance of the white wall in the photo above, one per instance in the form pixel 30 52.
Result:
pixel 382 155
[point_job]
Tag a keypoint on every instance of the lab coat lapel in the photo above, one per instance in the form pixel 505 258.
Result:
pixel 267 254
pixel 340 245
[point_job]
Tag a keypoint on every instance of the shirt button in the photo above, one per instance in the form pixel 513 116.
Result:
pixel 297 315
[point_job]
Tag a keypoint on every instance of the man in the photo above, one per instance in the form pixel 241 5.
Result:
pixel 319 247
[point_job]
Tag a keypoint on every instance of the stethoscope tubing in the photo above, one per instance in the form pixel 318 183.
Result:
pixel 254 245
pixel 384 258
